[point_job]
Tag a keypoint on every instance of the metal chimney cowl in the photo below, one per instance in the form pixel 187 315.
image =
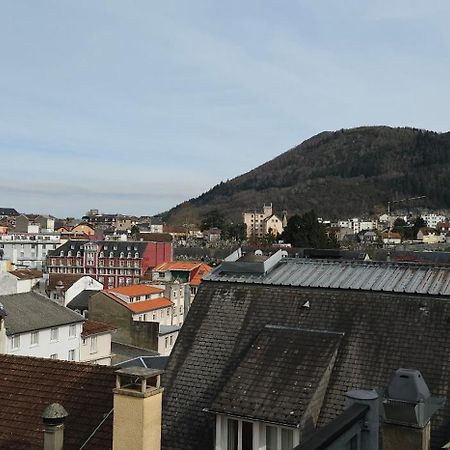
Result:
pixel 408 401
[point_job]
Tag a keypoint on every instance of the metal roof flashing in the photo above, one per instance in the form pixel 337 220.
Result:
pixel 231 264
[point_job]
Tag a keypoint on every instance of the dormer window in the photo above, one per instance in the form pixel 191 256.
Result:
pixel 111 254
pixel 128 248
pixel 61 253
pixel 136 255
pixel 121 254
pixel 69 253
pixel 102 255
pixel 129 255
pixel 72 247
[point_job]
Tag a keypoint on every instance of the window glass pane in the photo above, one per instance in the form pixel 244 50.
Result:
pixel 271 438
pixel 232 434
pixel 247 435
pixel 287 439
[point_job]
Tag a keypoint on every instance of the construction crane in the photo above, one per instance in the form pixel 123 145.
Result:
pixel 401 201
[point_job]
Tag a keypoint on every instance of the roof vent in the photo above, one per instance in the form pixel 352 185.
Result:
pixel 408 401
pixel 306 304
pixel 2 311
pixel 258 252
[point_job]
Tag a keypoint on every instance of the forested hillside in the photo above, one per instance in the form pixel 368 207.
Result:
pixel 339 174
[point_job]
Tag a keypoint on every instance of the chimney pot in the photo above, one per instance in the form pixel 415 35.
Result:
pixel 54 414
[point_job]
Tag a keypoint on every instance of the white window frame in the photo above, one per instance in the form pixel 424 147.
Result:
pixel 72 330
pixel 34 338
pixel 15 341
pixel 54 334
pixel 54 356
pixel 93 345
pixel 71 355
pixel 259 433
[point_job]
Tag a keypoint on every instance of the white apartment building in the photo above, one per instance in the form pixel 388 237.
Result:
pixel 433 219
pixel 28 250
pixel 35 326
pixel 357 225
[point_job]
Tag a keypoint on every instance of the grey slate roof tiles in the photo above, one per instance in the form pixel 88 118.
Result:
pixel 31 311
pixel 383 331
pixel 278 376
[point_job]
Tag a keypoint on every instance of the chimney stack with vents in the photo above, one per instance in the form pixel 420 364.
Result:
pixel 407 409
pixel 53 418
pixel 59 289
pixel 137 409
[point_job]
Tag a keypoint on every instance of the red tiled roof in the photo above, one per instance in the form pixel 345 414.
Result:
pixel 178 265
pixel 27 274
pixel 144 306
pixel 136 290
pixel 29 385
pixel 199 273
pixel 91 327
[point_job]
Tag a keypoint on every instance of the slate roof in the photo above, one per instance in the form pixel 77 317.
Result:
pixel 114 247
pixel 31 311
pixel 278 376
pixel 8 212
pixel 29 385
pixel 354 275
pixel 382 332
pixel 81 301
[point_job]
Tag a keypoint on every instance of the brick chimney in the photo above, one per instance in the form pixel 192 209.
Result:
pixel 407 409
pixel 137 409
pixel 3 340
pixel 53 418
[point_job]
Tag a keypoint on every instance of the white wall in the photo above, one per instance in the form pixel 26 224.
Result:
pixel 101 353
pixel 8 284
pixel 45 346
pixel 166 343
pixel 28 250
pixel 162 315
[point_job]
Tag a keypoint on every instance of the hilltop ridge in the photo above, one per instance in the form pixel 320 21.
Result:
pixel 339 174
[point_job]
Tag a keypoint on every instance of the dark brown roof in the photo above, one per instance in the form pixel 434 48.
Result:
pixel 67 279
pixel 27 274
pixel 382 332
pixel 156 237
pixel 29 385
pixel 91 327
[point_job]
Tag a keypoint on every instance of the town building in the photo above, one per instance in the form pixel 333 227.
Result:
pixel 36 326
pixel 391 237
pixel 190 272
pixel 271 347
pixel 96 340
pixel 34 223
pixel 432 219
pixel 63 288
pixel 112 263
pixel 358 225
pixel 261 223
pixel 19 281
pixel 28 250
pixel 143 316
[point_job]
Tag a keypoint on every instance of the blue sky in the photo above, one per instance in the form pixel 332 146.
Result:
pixel 135 106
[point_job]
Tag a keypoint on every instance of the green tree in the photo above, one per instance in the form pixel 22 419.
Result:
pixel 212 219
pixel 305 231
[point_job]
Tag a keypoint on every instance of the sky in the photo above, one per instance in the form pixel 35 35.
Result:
pixel 135 106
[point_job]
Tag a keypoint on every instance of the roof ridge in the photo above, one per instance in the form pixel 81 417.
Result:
pixel 309 330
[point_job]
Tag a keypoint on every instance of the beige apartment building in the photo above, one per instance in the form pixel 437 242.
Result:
pixel 262 222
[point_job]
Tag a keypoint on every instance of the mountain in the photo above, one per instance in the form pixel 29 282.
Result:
pixel 339 174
